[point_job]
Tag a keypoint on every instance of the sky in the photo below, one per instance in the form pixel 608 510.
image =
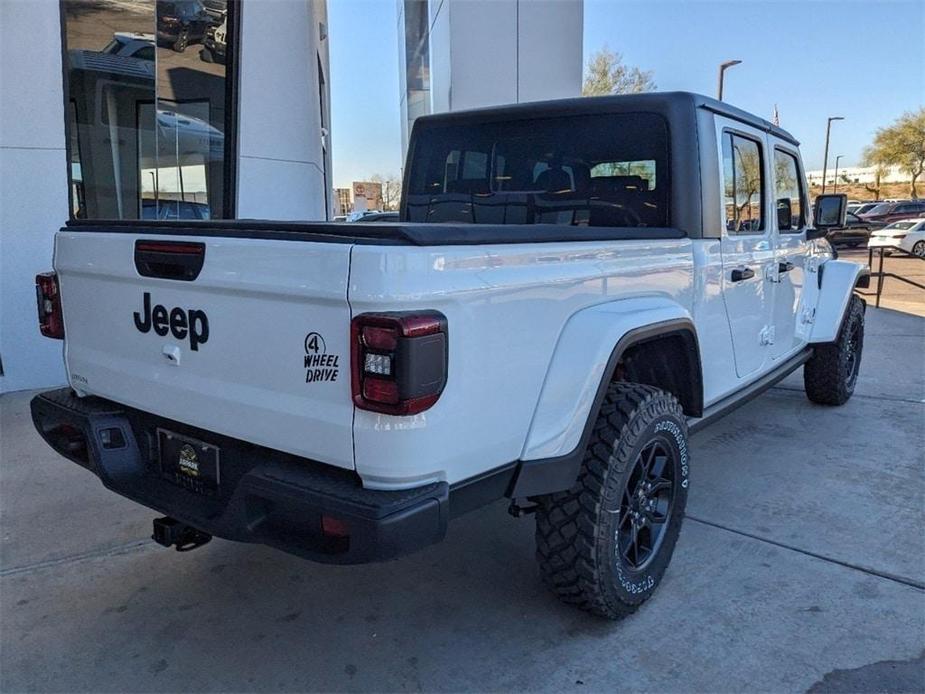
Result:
pixel 860 59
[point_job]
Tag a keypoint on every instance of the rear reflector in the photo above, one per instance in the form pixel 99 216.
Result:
pixel 69 441
pixel 51 320
pixel 334 527
pixel 399 361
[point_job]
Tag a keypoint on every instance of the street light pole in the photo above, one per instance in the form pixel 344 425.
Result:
pixel 722 70
pixel 835 187
pixel 825 159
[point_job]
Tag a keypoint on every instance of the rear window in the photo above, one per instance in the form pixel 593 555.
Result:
pixel 594 170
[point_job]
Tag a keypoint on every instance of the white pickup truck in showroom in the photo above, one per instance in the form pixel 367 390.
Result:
pixel 573 286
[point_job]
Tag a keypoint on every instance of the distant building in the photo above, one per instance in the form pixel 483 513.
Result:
pixel 858 174
pixel 459 54
pixel 367 195
pixel 343 204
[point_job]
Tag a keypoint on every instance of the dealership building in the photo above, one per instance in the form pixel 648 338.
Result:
pixel 129 110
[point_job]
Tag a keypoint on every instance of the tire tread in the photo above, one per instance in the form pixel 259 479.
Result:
pixel 567 523
pixel 823 377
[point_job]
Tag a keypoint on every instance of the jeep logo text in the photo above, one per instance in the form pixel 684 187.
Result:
pixel 182 324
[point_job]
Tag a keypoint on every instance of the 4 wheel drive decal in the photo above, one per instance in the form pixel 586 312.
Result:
pixel 191 323
pixel 318 364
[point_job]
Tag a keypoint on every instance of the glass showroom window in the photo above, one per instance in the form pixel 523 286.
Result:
pixel 148 128
pixel 417 59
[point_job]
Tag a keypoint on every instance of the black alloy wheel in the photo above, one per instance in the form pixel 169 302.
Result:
pixel 646 505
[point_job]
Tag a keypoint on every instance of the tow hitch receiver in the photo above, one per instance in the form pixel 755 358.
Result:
pixel 170 532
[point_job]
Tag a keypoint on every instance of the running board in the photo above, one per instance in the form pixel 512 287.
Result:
pixel 749 392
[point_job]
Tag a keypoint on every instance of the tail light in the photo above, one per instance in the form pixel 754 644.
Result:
pixel 51 322
pixel 398 361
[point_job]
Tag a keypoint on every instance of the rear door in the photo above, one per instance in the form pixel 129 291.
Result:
pixel 253 345
pixel 747 244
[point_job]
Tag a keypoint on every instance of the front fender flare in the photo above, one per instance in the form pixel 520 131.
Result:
pixel 586 354
pixel 837 280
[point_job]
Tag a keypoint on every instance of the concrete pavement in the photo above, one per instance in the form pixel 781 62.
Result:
pixel 801 565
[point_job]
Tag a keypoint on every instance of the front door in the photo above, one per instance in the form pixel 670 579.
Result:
pixel 747 245
pixel 790 222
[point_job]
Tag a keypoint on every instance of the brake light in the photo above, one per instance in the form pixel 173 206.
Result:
pixel 398 361
pixel 51 322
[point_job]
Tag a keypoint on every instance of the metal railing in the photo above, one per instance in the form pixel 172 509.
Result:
pixel 881 275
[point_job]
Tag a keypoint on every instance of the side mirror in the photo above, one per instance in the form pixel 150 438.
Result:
pixel 784 215
pixel 830 211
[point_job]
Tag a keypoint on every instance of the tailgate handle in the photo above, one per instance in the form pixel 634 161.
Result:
pixel 169 260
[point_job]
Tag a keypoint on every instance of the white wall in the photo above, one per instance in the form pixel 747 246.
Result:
pixel 494 52
pixel 550 49
pixel 281 165
pixel 483 52
pixel 33 185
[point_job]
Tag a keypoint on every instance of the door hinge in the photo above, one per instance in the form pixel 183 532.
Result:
pixel 766 336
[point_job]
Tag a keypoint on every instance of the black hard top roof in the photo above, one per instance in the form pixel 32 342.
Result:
pixel 659 102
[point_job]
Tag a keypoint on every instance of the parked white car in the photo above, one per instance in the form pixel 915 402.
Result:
pixel 131 44
pixel 908 235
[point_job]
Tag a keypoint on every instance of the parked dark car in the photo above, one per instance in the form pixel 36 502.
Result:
pixel 215 44
pixel 216 8
pixel 866 207
pixel 855 232
pixel 895 211
pixel 182 22
pixel 379 217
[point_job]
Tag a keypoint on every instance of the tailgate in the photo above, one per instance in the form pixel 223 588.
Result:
pixel 255 347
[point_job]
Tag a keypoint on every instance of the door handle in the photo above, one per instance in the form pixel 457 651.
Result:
pixel 784 267
pixel 742 273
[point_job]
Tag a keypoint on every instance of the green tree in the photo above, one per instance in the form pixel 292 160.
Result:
pixel 606 74
pixel 901 144
pixel 748 185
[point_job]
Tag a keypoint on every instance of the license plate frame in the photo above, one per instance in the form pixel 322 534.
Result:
pixel 189 462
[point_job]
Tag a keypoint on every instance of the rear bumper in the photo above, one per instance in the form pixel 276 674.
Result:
pixel 265 496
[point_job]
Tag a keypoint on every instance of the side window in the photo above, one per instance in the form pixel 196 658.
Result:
pixel 788 192
pixel 743 175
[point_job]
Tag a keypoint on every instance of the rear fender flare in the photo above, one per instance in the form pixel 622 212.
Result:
pixel 583 363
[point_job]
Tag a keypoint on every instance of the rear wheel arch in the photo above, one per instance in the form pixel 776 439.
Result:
pixel 664 356
pixel 647 346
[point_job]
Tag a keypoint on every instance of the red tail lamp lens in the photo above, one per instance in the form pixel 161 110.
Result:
pixel 399 361
pixel 380 338
pixel 51 320
pixel 380 390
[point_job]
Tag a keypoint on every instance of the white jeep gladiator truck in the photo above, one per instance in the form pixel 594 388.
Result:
pixel 573 287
